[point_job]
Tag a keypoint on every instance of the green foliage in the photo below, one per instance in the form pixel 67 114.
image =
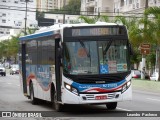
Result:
pixel 73 7
pixel 39 14
pixel 89 20
pixel 92 20
pixel 9 48
pixel 28 31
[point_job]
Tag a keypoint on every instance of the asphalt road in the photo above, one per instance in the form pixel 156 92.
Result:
pixel 12 99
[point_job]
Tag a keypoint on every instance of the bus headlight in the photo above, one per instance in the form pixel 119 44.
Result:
pixel 71 88
pixel 126 86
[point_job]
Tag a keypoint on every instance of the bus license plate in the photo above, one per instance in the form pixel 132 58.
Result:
pixel 102 97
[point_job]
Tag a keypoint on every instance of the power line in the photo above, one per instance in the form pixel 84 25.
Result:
pixel 29 9
pixel 68 13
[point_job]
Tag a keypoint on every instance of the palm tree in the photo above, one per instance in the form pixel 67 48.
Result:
pixel 134 34
pixel 28 31
pixel 92 20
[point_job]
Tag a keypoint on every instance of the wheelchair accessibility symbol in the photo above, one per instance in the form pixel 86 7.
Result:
pixel 103 69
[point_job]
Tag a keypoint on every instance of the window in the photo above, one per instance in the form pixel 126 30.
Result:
pixel 3 0
pixel 7 32
pixel 46 52
pixel 122 3
pixel 16 1
pixel 31 57
pixel 4 14
pixel 130 1
pixel 3 21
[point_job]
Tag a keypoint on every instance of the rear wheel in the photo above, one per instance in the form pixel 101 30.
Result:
pixel 33 99
pixel 111 106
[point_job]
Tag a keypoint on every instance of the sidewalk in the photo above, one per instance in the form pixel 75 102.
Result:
pixel 147 85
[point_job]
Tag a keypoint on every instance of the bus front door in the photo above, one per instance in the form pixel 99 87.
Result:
pixel 58 70
pixel 24 82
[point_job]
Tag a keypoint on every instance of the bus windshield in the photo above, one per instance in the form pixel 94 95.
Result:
pixel 95 57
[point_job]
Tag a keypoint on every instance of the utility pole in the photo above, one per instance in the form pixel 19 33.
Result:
pixel 26 18
pixel 143 63
pixel 64 19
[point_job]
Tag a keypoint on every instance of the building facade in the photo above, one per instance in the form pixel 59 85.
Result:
pixel 47 5
pixel 133 6
pixel 115 7
pixel 94 7
pixel 12 16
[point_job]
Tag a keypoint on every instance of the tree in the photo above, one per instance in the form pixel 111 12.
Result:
pixel 92 20
pixel 39 15
pixel 134 34
pixel 9 48
pixel 73 7
pixel 154 27
pixel 28 32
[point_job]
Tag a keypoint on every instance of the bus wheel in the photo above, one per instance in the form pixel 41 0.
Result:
pixel 33 99
pixel 111 106
pixel 57 106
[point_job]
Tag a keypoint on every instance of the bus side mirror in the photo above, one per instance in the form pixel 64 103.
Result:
pixel 130 49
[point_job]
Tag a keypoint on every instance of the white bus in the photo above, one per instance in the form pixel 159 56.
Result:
pixel 77 64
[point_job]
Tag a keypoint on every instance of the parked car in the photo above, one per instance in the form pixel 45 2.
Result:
pixel 2 70
pixel 154 76
pixel 137 74
pixel 14 69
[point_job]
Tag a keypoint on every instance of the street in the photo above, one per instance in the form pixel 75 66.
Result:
pixel 12 99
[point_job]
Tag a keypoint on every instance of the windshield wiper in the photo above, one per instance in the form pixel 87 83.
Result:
pixel 107 47
pixel 83 45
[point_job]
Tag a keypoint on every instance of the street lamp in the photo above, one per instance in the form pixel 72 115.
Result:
pixel 26 18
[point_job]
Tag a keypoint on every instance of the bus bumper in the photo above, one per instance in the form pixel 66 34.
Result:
pixel 70 98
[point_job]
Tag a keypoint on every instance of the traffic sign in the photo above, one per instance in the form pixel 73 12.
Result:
pixel 145 46
pixel 145 51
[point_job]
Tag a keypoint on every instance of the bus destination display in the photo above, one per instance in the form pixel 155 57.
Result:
pixel 96 31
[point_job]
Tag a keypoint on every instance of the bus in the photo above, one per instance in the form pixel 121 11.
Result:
pixel 77 64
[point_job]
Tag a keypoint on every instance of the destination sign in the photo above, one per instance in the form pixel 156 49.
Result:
pixel 97 31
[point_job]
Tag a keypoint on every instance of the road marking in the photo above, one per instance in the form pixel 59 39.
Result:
pixel 123 109
pixel 153 99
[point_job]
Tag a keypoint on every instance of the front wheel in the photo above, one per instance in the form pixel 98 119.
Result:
pixel 111 106
pixel 33 99
pixel 57 106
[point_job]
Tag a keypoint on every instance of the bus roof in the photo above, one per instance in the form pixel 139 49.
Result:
pixel 52 30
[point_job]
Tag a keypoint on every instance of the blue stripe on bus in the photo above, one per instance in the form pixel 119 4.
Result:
pixel 38 35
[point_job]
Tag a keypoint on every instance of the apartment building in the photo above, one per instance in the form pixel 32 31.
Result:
pixel 115 7
pixel 62 3
pixel 12 16
pixel 133 6
pixel 47 5
pixel 93 7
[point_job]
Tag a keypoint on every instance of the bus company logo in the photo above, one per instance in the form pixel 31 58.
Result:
pixel 6 114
